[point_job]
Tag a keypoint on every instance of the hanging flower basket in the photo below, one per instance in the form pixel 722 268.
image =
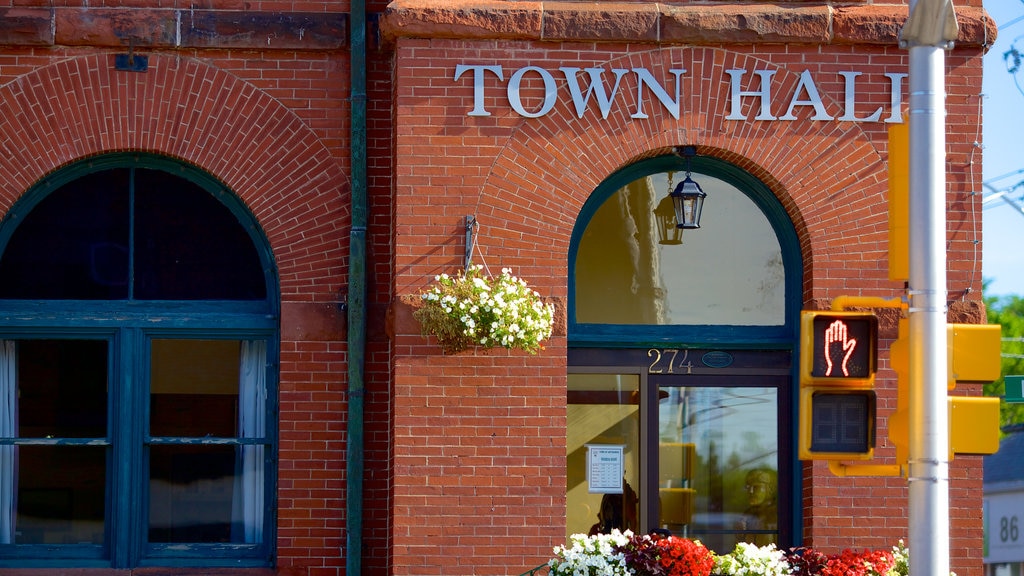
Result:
pixel 472 309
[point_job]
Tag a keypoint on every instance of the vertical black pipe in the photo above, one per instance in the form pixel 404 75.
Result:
pixel 356 294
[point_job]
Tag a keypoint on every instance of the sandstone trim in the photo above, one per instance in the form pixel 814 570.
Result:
pixel 562 21
pixel 173 28
pixel 666 24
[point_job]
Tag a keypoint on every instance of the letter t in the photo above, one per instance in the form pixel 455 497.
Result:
pixel 478 85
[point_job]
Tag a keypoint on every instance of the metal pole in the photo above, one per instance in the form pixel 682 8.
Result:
pixel 929 30
pixel 929 443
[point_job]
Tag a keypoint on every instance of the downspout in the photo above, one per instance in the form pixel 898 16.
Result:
pixel 354 465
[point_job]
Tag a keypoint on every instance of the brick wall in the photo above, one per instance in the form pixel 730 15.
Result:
pixel 465 455
pixel 269 118
pixel 525 179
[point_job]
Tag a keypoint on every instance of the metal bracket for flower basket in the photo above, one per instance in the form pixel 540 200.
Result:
pixel 470 241
pixel 538 571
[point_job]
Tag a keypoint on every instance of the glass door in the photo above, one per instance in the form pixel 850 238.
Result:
pixel 718 458
pixel 603 453
pixel 697 443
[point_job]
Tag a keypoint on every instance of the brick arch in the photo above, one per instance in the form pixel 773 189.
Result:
pixel 192 111
pixel 554 180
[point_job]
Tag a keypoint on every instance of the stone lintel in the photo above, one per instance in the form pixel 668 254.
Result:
pixel 745 24
pixel 172 28
pixel 26 27
pixel 558 21
pixel 666 24
pixel 269 30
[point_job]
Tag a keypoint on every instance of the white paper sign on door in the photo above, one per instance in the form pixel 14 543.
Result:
pixel 605 468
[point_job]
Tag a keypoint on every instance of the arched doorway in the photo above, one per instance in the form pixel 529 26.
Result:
pixel 681 411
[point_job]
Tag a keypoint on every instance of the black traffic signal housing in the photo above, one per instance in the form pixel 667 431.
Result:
pixel 838 362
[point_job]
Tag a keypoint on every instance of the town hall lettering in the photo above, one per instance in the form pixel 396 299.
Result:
pixel 597 89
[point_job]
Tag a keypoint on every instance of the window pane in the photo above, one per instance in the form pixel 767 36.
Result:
pixel 195 494
pixel 74 243
pixel 62 388
pixel 603 410
pixel 194 388
pixel 207 389
pixel 729 271
pixel 60 495
pixel 189 246
pixel 718 464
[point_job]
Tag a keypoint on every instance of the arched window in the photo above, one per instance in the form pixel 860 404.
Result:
pixel 681 395
pixel 138 336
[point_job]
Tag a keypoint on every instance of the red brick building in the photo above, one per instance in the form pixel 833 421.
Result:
pixel 216 219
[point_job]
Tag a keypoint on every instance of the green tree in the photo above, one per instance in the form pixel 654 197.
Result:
pixel 1008 312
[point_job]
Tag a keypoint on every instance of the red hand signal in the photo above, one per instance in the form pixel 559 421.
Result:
pixel 837 341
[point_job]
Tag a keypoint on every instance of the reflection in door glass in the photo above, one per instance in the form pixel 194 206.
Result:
pixel 718 464
pixel 603 412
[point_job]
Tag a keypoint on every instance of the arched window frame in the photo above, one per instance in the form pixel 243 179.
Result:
pixel 129 327
pixel 592 334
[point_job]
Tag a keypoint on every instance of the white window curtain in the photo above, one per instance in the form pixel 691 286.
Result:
pixel 8 429
pixel 248 503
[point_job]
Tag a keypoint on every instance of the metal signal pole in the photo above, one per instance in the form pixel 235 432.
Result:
pixel 930 29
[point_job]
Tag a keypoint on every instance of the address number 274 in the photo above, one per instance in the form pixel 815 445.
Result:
pixel 669 361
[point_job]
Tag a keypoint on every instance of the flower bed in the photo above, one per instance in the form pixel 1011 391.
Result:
pixel 627 554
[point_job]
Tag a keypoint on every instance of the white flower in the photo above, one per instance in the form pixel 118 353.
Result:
pixel 591 555
pixel 747 559
pixel 485 311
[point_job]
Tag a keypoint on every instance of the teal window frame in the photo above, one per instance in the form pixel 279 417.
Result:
pixel 783 335
pixel 128 326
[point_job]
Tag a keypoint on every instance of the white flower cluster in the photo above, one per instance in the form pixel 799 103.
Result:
pixel 472 309
pixel 749 559
pixel 592 555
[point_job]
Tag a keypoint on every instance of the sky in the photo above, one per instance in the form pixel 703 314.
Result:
pixel 1003 153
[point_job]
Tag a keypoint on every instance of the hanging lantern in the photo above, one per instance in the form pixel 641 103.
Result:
pixel 688 198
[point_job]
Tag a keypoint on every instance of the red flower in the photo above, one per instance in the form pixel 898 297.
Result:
pixel 866 563
pixel 685 557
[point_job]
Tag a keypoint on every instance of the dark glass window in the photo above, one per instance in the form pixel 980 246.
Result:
pixel 60 396
pixel 129 233
pixel 73 245
pixel 188 246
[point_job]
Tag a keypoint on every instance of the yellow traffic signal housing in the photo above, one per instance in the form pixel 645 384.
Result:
pixel 899 361
pixel 974 353
pixel 838 361
pixel 973 425
pixel 899 201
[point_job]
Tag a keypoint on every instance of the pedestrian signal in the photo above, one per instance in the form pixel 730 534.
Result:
pixel 838 361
